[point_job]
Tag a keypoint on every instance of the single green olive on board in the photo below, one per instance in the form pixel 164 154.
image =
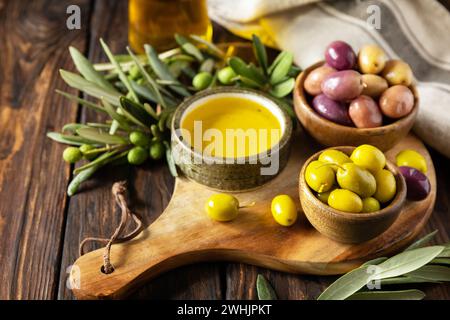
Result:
pixel 226 75
pixel 137 155
pixel 202 80
pixel 354 178
pixel 284 210
pixel 345 200
pixel 368 157
pixel 411 158
pixel 72 154
pixel 222 207
pixel 139 138
pixel 319 176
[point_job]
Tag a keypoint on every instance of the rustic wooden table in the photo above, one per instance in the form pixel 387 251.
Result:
pixel 40 227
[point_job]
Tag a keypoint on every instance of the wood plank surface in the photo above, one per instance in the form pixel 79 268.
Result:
pixel 40 227
pixel 33 179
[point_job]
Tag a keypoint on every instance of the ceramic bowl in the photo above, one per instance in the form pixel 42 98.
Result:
pixel 329 133
pixel 349 227
pixel 238 174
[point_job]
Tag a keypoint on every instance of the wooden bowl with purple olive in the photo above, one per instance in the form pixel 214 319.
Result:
pixel 332 133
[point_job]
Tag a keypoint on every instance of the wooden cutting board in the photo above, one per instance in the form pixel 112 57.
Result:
pixel 184 234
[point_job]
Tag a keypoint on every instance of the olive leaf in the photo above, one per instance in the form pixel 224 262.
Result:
pixel 207 66
pixel 209 45
pixel 188 47
pixel 440 261
pixel 148 108
pixel 170 160
pixel 405 280
pixel 264 289
pixel 406 262
pixel 388 295
pixel 69 139
pixel 81 101
pixel 135 112
pixel 431 273
pixel 80 178
pixel 260 53
pixel 73 127
pixel 149 79
pixel 86 69
pixel 247 71
pixel 281 69
pixel 162 71
pixel 282 89
pixel 100 136
pixel 99 161
pixel 78 82
pixel 347 285
pixel 115 116
pixel 421 242
pixel 119 70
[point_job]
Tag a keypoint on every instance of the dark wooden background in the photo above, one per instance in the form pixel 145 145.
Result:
pixel 40 227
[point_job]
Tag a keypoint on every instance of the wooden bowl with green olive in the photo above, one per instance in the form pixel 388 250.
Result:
pixel 330 133
pixel 348 227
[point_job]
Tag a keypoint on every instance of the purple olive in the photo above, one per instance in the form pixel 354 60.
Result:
pixel 332 110
pixel 417 183
pixel 340 55
pixel 343 85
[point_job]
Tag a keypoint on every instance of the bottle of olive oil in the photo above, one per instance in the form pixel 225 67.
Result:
pixel 156 21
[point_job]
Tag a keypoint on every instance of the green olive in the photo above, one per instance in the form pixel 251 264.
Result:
pixel 354 178
pixel 335 157
pixel 137 156
pixel 386 186
pixel 157 150
pixel 370 204
pixel 222 207
pixel 345 200
pixel 368 157
pixel 284 210
pixel 72 154
pixel 202 80
pixel 411 158
pixel 134 72
pixel 319 176
pixel 323 196
pixel 139 138
pixel 371 59
pixel 85 148
pixel 226 75
pixel 397 72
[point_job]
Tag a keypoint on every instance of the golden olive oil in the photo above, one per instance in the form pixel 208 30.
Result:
pixel 156 21
pixel 245 127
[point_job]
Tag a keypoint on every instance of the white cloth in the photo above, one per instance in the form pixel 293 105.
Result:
pixel 416 31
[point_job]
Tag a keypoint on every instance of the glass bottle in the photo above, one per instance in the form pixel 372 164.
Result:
pixel 156 21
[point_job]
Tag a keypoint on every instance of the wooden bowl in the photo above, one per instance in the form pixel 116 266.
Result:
pixel 238 174
pixel 349 227
pixel 329 133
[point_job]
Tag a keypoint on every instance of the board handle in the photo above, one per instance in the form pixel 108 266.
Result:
pixel 135 262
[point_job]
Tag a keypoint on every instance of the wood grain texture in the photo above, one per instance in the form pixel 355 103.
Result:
pixel 253 237
pixel 33 178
